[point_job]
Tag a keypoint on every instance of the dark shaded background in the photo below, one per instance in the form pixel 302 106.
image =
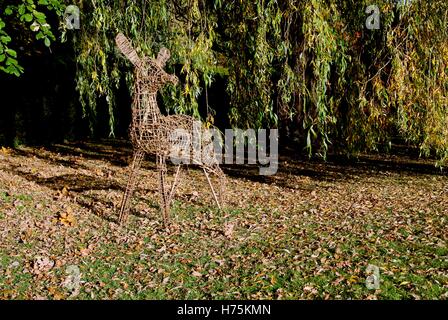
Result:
pixel 42 105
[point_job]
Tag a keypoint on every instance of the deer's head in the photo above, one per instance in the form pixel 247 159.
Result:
pixel 148 69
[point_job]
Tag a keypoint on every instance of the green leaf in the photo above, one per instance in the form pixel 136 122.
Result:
pixel 47 42
pixel 5 39
pixel 11 62
pixel 21 9
pixel 28 17
pixel 11 53
pixel 13 70
pixel 39 15
pixel 8 11
pixel 2 57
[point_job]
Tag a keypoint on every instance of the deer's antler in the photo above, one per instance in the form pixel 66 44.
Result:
pixel 126 48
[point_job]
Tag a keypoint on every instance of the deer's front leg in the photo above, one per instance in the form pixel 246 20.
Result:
pixel 130 187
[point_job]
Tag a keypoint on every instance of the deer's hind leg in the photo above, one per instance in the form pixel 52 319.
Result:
pixel 163 189
pixel 219 193
pixel 130 187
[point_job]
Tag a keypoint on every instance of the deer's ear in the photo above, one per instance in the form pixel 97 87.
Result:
pixel 126 48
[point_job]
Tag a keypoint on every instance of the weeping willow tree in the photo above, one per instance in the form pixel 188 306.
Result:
pixel 181 26
pixel 311 67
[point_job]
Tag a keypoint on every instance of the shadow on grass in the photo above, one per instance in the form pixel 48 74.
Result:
pixel 97 206
pixel 73 182
pixel 79 183
pixel 119 153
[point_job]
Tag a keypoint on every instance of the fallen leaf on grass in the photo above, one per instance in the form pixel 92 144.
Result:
pixel 353 279
pixel 6 151
pixel 55 293
pixel 42 264
pixel 84 252
pixel 196 274
pixel 63 192
pixel 65 218
pixel 228 230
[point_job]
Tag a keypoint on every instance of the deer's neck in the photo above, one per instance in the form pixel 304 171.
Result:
pixel 145 108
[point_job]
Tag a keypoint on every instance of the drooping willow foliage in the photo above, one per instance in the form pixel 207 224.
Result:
pixel 151 25
pixel 309 67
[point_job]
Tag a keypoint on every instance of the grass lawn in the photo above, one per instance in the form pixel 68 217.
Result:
pixel 309 232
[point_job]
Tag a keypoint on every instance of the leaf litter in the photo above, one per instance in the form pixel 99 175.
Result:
pixel 309 232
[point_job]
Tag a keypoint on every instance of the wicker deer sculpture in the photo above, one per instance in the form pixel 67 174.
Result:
pixel 151 132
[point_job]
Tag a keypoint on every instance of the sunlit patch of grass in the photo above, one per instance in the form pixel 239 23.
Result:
pixel 5 197
pixel 14 282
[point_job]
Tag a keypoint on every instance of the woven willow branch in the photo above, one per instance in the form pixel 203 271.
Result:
pixel 150 131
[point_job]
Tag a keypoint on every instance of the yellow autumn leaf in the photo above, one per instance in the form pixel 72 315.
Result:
pixel 64 191
pixel 66 218
pixel 353 279
pixel 54 291
pixel 187 89
pixel 6 151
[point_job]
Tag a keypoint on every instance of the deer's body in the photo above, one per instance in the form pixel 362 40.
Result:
pixel 150 130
